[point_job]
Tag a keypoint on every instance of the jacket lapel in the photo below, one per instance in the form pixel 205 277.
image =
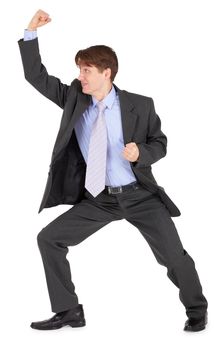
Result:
pixel 83 102
pixel 128 115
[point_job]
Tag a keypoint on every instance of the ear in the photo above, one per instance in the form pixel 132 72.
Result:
pixel 108 73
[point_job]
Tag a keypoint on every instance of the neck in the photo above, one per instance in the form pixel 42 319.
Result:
pixel 100 95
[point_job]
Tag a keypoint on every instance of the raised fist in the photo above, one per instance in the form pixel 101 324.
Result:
pixel 39 19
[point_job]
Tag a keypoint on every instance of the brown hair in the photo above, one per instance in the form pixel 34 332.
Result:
pixel 100 56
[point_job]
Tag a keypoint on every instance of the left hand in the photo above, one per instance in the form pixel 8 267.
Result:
pixel 131 152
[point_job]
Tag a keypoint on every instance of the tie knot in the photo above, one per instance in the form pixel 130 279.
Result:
pixel 101 106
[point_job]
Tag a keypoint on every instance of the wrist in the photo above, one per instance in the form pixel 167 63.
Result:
pixel 31 29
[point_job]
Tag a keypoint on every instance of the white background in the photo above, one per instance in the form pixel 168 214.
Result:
pixel 165 51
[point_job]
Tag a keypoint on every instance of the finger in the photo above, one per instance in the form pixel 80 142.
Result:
pixel 42 13
pixel 44 18
pixel 130 149
pixel 131 146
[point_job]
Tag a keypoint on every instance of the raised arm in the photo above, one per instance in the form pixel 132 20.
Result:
pixel 34 70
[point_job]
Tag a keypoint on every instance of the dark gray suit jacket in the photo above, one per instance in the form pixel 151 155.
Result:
pixel 140 123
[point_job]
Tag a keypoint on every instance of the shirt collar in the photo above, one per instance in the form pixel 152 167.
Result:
pixel 108 100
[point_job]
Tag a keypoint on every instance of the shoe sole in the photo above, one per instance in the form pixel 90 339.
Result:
pixel 72 324
pixel 190 329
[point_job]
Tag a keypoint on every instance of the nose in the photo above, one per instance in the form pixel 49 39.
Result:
pixel 80 77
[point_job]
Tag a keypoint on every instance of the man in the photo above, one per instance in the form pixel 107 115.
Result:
pixel 101 164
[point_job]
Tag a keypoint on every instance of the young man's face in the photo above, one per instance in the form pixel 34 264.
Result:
pixel 92 80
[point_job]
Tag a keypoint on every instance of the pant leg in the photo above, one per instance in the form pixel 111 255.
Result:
pixel 69 229
pixel 154 222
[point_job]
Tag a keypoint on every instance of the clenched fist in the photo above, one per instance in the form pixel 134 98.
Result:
pixel 131 152
pixel 39 19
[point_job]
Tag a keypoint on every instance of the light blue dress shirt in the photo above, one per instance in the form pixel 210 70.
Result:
pixel 118 169
pixel 30 34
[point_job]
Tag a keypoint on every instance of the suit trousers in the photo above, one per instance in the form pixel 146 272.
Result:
pixel 142 209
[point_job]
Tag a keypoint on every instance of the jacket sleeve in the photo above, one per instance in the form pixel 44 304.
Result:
pixel 37 75
pixel 156 143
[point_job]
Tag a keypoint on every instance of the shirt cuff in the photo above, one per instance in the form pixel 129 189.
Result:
pixel 30 34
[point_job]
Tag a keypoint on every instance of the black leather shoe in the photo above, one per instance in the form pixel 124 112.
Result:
pixel 72 317
pixel 196 324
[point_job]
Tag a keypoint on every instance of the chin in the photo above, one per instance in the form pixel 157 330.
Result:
pixel 86 91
